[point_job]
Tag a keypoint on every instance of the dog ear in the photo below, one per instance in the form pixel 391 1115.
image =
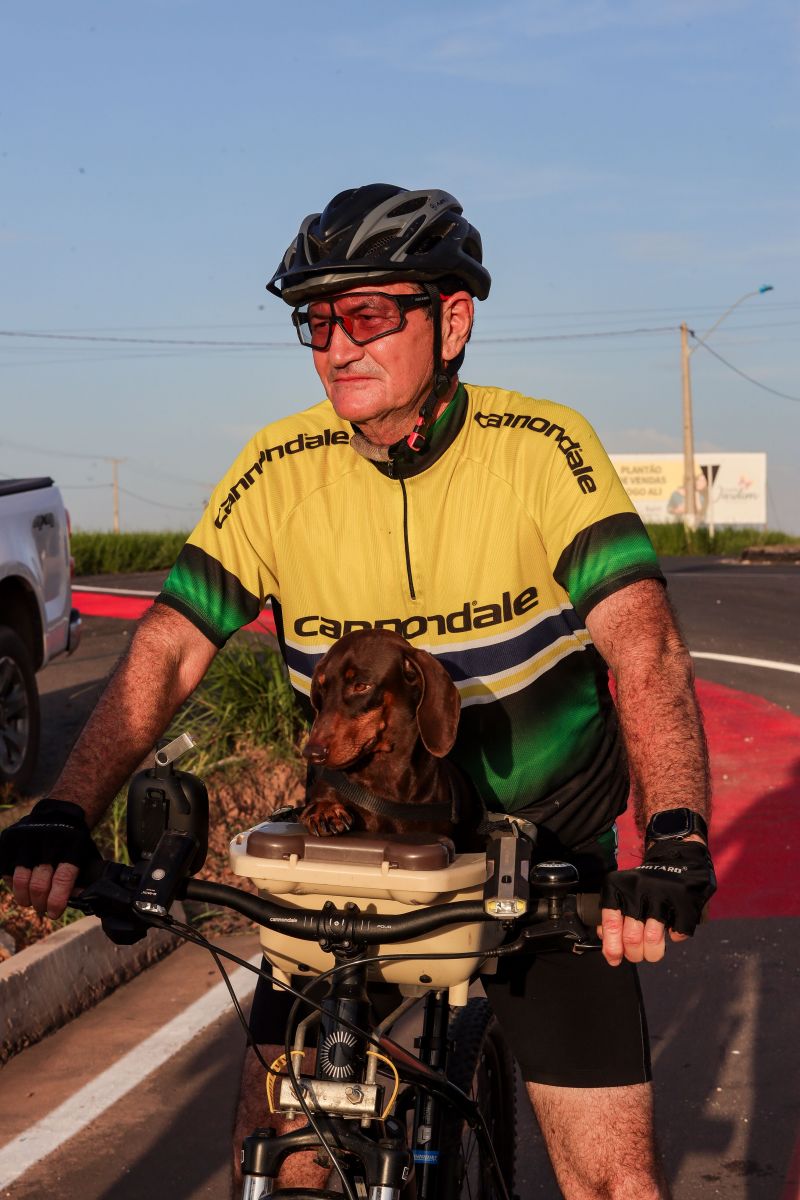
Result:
pixel 439 703
pixel 317 679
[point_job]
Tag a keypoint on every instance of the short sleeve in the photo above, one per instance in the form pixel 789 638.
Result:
pixel 596 542
pixel 226 569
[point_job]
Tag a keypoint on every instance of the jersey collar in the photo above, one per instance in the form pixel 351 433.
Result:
pixel 406 463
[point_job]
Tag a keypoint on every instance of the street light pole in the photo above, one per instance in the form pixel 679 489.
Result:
pixel 689 492
pixel 689 504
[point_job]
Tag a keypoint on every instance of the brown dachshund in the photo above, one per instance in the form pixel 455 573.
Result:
pixel 386 714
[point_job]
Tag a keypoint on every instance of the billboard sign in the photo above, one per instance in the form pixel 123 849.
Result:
pixel 730 489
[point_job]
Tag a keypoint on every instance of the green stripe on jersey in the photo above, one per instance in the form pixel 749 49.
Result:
pixel 602 555
pixel 201 584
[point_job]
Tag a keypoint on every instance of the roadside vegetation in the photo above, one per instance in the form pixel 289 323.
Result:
pixel 727 541
pixel 247 730
pixel 130 553
pixel 124 553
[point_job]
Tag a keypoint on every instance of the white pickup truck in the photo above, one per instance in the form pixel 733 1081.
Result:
pixel 37 620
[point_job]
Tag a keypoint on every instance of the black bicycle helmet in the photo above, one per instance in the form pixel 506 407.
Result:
pixel 378 234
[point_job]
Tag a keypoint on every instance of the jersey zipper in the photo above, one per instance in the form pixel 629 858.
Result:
pixel 405 540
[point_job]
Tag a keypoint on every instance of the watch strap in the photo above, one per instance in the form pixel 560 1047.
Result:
pixel 674 823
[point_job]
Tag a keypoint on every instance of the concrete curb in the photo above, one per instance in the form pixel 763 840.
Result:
pixel 772 554
pixel 48 984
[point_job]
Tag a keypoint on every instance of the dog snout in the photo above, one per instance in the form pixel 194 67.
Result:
pixel 316 752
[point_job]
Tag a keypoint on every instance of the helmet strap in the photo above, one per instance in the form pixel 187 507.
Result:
pixel 417 440
pixel 405 450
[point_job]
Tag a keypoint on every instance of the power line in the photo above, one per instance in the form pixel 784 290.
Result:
pixel 565 337
pixel 50 453
pixel 150 474
pixel 138 341
pixel 83 487
pixel 495 316
pixel 744 375
pixel 158 503
pixel 131 463
pixel 103 338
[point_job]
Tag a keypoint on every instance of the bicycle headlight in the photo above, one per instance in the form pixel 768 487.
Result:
pixel 508 858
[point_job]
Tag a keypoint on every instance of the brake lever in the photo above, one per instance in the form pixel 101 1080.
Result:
pixel 566 927
pixel 110 897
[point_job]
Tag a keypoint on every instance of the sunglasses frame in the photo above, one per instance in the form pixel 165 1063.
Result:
pixel 405 303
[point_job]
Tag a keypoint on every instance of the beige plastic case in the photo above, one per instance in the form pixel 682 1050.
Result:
pixel 382 875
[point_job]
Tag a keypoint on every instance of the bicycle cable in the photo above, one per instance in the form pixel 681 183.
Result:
pixel 182 929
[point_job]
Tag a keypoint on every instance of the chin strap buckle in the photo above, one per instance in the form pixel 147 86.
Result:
pixel 417 439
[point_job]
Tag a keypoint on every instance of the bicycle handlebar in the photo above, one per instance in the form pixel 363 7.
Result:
pixel 125 902
pixel 335 923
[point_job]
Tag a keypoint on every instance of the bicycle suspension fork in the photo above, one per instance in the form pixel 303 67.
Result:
pixel 433 1048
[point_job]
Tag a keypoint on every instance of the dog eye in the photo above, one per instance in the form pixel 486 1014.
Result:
pixel 361 685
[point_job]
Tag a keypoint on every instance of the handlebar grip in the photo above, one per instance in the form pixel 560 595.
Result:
pixel 587 905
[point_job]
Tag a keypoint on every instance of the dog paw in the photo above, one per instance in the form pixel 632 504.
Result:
pixel 326 817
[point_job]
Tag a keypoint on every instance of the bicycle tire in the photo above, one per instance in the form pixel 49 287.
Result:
pixel 482 1066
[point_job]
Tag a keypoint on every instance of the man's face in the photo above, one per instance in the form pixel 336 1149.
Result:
pixel 380 385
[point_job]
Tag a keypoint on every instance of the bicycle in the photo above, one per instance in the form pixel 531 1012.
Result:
pixel 448 1128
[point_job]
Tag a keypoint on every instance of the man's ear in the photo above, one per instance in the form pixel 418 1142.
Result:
pixel 439 704
pixel 458 313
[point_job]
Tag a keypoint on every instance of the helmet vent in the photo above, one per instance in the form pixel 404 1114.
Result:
pixel 430 239
pixel 376 245
pixel 410 206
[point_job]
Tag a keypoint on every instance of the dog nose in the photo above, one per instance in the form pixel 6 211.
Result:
pixel 315 752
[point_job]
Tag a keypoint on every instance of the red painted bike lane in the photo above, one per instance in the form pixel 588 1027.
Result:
pixel 755 761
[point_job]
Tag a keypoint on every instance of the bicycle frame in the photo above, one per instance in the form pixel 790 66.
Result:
pixel 377 1154
pixel 371 1145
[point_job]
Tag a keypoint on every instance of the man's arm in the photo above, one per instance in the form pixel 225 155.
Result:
pixel 166 660
pixel 635 631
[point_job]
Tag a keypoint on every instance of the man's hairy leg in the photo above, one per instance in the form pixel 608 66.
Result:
pixel 300 1170
pixel 601 1141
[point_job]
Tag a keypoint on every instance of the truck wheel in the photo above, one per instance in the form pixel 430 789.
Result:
pixel 19 711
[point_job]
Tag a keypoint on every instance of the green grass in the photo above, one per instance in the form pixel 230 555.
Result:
pixel 124 553
pixel 244 700
pixel 674 539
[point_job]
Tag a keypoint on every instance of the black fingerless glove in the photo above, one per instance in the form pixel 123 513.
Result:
pixel 672 885
pixel 54 831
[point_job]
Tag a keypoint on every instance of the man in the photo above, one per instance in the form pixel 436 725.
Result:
pixel 491 529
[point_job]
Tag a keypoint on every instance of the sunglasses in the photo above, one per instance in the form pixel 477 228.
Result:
pixel 364 317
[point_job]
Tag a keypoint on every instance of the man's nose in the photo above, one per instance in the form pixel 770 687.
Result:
pixel 342 350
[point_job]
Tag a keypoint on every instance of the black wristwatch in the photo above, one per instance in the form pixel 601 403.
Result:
pixel 673 824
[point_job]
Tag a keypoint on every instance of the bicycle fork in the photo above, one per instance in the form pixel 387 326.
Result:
pixel 341 1086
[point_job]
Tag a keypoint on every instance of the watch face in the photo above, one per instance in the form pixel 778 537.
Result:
pixel 675 822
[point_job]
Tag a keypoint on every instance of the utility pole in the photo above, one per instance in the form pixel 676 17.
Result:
pixel 115 484
pixel 690 494
pixel 689 507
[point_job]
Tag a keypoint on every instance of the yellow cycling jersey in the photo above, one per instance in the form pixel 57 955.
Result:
pixel 488 551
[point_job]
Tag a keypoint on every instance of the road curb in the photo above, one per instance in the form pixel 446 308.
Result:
pixel 782 553
pixel 48 984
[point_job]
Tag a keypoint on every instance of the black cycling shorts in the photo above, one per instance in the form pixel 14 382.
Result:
pixel 571 1020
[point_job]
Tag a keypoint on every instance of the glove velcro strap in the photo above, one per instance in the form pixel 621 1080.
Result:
pixel 672 885
pixel 54 832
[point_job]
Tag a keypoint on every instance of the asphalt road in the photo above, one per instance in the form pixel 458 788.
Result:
pixel 721 1007
pixel 750 611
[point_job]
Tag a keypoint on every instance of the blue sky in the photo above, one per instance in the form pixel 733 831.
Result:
pixel 629 165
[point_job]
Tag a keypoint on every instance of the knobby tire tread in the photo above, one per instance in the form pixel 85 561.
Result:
pixel 477 1035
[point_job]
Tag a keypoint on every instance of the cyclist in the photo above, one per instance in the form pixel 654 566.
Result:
pixel 491 528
